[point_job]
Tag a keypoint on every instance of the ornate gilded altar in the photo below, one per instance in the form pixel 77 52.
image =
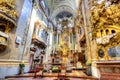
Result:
pixel 8 16
pixel 105 24
pixel 63 35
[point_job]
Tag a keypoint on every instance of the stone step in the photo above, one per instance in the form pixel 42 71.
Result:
pixel 79 74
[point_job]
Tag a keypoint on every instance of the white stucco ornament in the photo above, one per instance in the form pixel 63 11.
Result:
pixel 104 39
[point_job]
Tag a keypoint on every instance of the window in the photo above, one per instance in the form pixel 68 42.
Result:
pixel 43 4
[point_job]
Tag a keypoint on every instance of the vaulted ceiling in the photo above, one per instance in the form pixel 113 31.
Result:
pixel 58 6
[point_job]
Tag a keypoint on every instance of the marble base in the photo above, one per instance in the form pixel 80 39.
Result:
pixel 11 67
pixel 8 71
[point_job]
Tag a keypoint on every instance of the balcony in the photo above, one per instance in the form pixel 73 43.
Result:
pixel 38 42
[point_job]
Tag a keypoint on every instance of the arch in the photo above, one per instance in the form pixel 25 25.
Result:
pixel 61 9
pixel 65 4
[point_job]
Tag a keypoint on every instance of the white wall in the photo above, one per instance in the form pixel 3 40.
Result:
pixel 10 70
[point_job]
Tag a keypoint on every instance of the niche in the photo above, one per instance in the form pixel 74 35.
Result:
pixel 101 53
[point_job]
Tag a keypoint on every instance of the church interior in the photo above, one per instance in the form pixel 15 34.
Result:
pixel 59 40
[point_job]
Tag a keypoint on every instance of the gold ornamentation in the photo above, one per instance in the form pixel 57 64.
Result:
pixel 104 20
pixel 114 41
pixel 8 11
pixel 103 17
pixel 8 17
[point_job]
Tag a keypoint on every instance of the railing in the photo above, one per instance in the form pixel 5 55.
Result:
pixel 109 70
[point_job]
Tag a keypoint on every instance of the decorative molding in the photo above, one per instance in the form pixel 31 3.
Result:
pixel 10 63
pixel 105 25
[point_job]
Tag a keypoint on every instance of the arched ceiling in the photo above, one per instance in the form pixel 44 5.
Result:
pixel 63 14
pixel 58 6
